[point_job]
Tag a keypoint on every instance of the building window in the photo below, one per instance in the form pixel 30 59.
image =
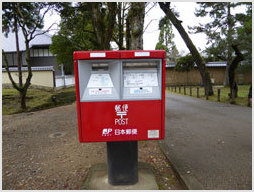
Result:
pixel 45 52
pixel 41 52
pixel 14 59
pixel 36 52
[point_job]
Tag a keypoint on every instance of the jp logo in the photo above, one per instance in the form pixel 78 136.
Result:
pixel 121 110
pixel 106 132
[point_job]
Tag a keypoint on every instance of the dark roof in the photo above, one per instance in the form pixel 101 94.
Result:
pixel 217 64
pixel 170 64
pixel 209 64
pixel 44 68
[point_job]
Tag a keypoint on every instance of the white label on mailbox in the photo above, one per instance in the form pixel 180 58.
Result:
pixel 97 54
pixel 140 79
pixel 100 80
pixel 104 91
pixel 142 90
pixel 142 54
pixel 153 133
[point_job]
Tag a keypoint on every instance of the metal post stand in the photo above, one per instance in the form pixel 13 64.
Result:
pixel 122 162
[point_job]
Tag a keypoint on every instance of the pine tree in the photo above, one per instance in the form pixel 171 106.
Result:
pixel 166 40
pixel 27 17
pixel 221 30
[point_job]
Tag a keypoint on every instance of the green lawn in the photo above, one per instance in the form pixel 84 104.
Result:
pixel 242 99
pixel 37 99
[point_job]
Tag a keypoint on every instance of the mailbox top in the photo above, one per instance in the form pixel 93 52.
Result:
pixel 123 54
pixel 135 54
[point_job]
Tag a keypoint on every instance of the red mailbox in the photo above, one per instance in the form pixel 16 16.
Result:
pixel 120 95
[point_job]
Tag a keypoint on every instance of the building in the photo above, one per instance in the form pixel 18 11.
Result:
pixel 45 70
pixel 216 70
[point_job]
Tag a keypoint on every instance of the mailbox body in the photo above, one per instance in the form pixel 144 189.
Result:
pixel 120 95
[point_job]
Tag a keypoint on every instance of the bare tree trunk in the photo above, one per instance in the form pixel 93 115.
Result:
pixel 120 16
pixel 23 99
pixel 128 34
pixel 103 24
pixel 229 45
pixel 198 59
pixel 136 16
pixel 231 74
pixel 226 79
pixel 97 23
pixel 24 89
pixel 110 22
pixel 23 106
pixel 18 52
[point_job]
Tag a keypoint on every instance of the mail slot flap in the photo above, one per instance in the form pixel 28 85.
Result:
pixel 78 55
pixel 142 54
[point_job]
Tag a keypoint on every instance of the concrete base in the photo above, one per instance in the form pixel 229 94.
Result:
pixel 97 179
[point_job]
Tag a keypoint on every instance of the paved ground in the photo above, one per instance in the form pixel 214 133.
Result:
pixel 209 143
pixel 40 150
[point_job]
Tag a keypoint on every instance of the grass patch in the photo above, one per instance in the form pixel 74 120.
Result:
pixel 242 99
pixel 36 99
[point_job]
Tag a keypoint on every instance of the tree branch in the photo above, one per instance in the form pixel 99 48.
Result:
pixel 148 24
pixel 154 4
pixel 39 21
pixel 47 30
pixel 198 59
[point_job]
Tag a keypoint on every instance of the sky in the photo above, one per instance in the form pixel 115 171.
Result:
pixel 151 34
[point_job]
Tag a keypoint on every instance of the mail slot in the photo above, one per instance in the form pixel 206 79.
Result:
pixel 120 95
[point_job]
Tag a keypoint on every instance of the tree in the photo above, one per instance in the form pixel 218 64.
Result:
pixel 221 31
pixel 135 20
pixel 75 34
pixel 29 18
pixel 231 73
pixel 196 56
pixel 166 40
pixel 122 29
pixel 84 26
pixel 244 35
pixel 126 28
pixel 10 24
pixel 103 21
pixel 118 33
pixel 63 48
pixel 185 64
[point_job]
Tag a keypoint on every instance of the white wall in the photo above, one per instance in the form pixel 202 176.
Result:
pixel 65 81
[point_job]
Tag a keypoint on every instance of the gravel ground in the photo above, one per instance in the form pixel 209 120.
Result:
pixel 41 150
